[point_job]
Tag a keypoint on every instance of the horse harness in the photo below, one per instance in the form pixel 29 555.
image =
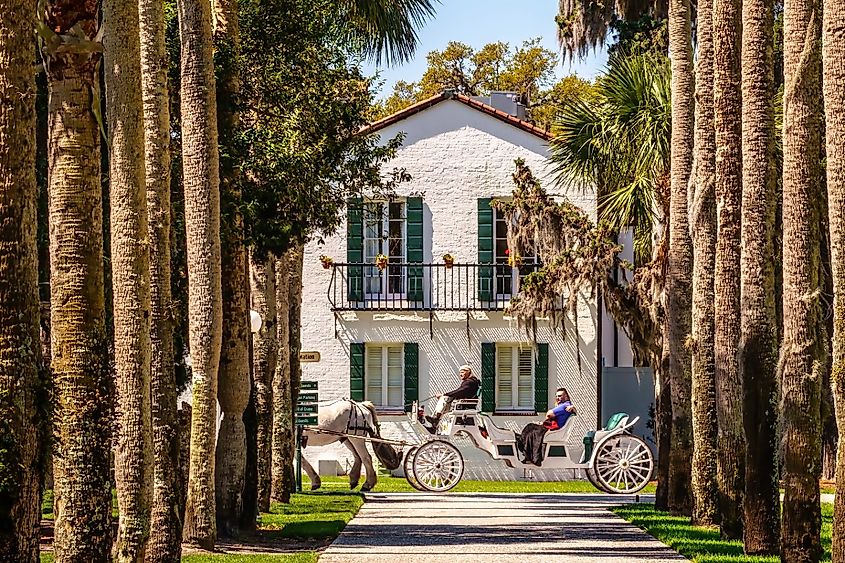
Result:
pixel 357 421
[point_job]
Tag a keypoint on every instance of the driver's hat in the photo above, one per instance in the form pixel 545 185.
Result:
pixel 465 367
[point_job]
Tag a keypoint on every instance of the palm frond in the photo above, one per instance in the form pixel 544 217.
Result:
pixel 384 30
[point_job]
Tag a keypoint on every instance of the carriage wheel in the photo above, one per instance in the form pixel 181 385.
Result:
pixel 594 479
pixel 409 470
pixel 623 464
pixel 438 466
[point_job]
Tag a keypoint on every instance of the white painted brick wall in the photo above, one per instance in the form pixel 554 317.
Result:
pixel 455 155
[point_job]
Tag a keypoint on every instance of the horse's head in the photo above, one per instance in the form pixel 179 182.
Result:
pixel 388 456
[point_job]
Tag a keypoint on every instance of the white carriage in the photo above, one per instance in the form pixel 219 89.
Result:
pixel 614 460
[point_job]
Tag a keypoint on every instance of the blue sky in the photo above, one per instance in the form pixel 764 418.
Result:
pixel 478 22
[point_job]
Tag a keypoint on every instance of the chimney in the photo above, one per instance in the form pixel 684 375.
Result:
pixel 505 101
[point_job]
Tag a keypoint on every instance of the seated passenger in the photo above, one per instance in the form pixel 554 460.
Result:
pixel 530 441
pixel 468 389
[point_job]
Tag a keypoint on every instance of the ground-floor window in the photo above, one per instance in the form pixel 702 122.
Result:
pixel 383 374
pixel 514 377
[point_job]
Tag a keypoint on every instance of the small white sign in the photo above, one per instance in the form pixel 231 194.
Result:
pixel 309 356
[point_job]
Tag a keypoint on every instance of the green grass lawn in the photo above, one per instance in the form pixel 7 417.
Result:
pixel 703 545
pixel 400 485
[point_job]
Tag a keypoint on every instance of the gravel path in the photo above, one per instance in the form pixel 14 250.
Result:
pixel 488 527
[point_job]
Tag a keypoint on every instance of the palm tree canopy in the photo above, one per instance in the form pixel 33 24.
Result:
pixel 617 141
pixel 383 30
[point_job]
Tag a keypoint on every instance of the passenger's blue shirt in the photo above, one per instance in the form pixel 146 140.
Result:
pixel 561 414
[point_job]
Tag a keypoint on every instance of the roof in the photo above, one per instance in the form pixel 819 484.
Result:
pixel 466 100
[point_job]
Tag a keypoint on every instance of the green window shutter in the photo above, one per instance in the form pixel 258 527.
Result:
pixel 485 249
pixel 541 378
pixel 356 371
pixel 355 248
pixel 414 224
pixel 412 370
pixel 488 377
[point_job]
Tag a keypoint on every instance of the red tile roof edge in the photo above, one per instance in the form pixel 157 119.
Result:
pixel 466 100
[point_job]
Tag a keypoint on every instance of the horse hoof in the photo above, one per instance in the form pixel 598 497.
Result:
pixel 352 486
pixel 366 489
pixel 315 486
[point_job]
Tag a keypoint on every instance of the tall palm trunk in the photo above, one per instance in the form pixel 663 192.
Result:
pixel 202 225
pixel 802 356
pixel 758 341
pixel 282 471
pixel 263 283
pixel 130 258
pixel 703 227
pixel 833 53
pixel 166 522
pixel 233 389
pixel 679 268
pixel 82 383
pixel 21 429
pixel 727 110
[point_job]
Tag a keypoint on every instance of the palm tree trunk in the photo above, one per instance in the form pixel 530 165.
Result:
pixel 82 382
pixel 833 52
pixel 233 389
pixel 165 542
pixel 679 268
pixel 728 122
pixel 703 227
pixel 802 356
pixel 282 472
pixel 758 341
pixel 663 428
pixel 263 282
pixel 201 180
pixel 21 388
pixel 133 466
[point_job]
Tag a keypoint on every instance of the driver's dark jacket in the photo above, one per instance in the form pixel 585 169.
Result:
pixel 468 389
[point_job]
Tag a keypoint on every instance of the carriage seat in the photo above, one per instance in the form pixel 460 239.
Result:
pixel 561 435
pixel 616 420
pixel 472 405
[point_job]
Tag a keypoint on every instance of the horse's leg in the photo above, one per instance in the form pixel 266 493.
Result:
pixel 355 471
pixel 313 475
pixel 361 447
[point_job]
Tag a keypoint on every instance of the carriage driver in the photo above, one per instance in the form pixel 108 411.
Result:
pixel 468 389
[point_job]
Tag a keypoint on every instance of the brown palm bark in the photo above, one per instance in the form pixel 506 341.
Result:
pixel 233 389
pixel 727 108
pixel 21 387
pixel 82 383
pixel 165 542
pixel 703 228
pixel 130 258
pixel 758 340
pixel 803 351
pixel 263 284
pixel 679 268
pixel 202 224
pixel 833 53
pixel 663 427
pixel 282 468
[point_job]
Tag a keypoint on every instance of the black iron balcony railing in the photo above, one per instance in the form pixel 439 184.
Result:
pixel 424 287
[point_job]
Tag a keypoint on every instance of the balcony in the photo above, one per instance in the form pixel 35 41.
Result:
pixel 424 287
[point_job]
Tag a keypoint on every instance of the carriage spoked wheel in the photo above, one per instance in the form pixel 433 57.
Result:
pixel 438 466
pixel 594 479
pixel 409 470
pixel 623 464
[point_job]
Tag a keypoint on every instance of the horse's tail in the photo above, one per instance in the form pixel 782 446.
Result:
pixel 387 455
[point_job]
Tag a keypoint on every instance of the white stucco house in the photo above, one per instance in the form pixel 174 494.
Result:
pixel 400 334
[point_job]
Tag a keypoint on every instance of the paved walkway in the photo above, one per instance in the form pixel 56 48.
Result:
pixel 493 527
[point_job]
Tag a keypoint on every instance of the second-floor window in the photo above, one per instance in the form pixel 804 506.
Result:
pixel 384 374
pixel 514 377
pixel 384 233
pixel 507 278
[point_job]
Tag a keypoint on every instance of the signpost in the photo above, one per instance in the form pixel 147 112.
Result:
pixel 305 414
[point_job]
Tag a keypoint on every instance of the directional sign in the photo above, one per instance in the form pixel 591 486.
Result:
pixel 308 397
pixel 306 420
pixel 306 409
pixel 309 356
pixel 307 385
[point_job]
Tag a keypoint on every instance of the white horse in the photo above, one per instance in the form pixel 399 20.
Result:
pixel 344 418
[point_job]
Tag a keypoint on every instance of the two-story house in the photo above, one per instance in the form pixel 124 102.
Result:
pixel 397 334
